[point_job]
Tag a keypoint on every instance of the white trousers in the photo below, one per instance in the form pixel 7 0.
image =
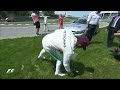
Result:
pixel 55 54
pixel 46 27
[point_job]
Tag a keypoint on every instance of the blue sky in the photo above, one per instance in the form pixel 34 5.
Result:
pixel 74 13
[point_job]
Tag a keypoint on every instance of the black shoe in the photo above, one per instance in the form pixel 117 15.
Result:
pixel 38 34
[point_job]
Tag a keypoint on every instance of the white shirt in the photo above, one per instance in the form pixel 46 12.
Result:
pixel 93 17
pixel 61 39
pixel 45 19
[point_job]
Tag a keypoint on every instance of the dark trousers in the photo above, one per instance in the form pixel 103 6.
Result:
pixel 110 37
pixel 37 24
pixel 91 30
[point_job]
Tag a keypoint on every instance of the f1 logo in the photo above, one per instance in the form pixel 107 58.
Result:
pixel 10 70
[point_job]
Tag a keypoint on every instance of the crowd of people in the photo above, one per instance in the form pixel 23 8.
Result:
pixel 36 21
pixel 63 40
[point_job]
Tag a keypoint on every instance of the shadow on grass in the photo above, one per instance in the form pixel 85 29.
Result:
pixel 81 68
pixel 95 42
pixel 74 66
pixel 115 55
pixel 114 44
pixel 53 62
pixel 96 33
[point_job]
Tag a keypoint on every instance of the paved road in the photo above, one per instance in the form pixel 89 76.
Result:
pixel 17 31
pixel 21 31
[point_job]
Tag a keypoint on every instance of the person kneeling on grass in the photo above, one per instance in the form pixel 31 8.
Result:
pixel 65 41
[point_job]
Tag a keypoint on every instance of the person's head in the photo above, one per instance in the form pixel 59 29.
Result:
pixel 98 12
pixel 82 41
pixel 60 14
pixel 36 12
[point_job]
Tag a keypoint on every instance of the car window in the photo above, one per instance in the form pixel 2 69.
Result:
pixel 81 21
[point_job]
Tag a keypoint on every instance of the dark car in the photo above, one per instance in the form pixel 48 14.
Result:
pixel 2 20
pixel 10 20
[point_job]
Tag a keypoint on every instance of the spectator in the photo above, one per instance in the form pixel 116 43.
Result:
pixel 92 23
pixel 60 19
pixel 45 24
pixel 112 28
pixel 35 18
pixel 62 40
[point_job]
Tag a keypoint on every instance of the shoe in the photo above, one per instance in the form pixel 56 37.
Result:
pixel 60 74
pixel 38 34
pixel 41 57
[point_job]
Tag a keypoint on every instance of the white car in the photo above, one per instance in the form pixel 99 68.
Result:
pixel 79 26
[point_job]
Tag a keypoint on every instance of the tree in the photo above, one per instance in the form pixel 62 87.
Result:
pixel 48 13
pixel 4 14
pixel 22 13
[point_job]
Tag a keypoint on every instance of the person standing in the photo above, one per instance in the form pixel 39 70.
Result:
pixel 35 18
pixel 112 28
pixel 92 23
pixel 62 40
pixel 45 24
pixel 60 19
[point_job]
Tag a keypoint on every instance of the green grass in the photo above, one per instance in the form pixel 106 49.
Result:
pixel 26 22
pixel 30 22
pixel 94 63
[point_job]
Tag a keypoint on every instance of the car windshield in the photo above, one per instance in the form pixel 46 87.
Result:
pixel 81 21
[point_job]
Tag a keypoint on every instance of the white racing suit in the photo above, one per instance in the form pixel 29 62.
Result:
pixel 63 40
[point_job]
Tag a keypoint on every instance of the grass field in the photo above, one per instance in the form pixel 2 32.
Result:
pixel 21 54
pixel 30 22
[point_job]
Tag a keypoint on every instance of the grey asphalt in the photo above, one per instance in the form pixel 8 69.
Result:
pixel 13 31
pixel 18 31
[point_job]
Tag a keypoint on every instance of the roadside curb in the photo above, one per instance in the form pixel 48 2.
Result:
pixel 31 24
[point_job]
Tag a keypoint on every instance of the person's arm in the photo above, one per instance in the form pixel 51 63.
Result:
pixel 88 19
pixel 66 63
pixel 46 20
pixel 97 26
pixel 88 24
pixel 64 14
pixel 59 19
pixel 41 14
